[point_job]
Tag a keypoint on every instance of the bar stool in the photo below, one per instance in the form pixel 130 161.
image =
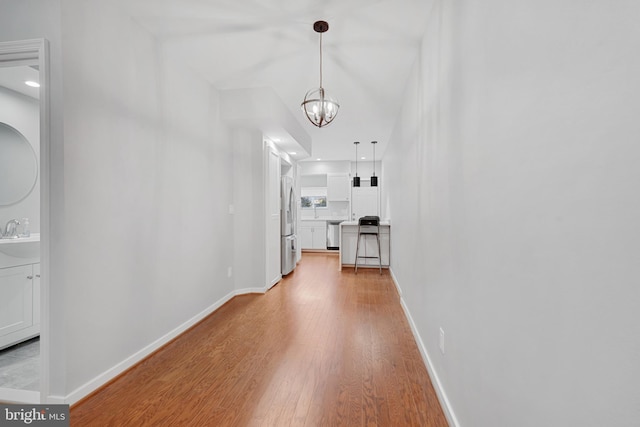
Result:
pixel 368 226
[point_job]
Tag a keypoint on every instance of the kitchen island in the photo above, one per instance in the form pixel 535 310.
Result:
pixel 368 245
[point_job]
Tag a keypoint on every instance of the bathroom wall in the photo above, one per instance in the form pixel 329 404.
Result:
pixel 22 113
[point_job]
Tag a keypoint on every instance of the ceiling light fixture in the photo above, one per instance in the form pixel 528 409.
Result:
pixel 374 178
pixel 32 83
pixel 318 107
pixel 356 179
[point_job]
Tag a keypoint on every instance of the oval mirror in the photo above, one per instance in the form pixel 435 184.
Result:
pixel 18 166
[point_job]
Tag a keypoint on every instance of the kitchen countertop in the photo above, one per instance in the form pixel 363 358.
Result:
pixel 325 218
pixel 386 223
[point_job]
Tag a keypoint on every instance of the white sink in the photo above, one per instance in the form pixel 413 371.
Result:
pixel 23 250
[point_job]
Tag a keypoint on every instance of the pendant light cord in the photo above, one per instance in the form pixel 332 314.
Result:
pixel 374 159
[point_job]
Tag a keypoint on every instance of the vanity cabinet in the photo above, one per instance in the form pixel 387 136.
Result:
pixel 19 303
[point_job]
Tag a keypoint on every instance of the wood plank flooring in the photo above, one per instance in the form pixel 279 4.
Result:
pixel 321 348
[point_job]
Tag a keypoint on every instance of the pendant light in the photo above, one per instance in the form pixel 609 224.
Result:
pixel 356 179
pixel 374 178
pixel 317 106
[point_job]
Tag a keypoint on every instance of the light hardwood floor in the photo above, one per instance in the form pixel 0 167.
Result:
pixel 321 348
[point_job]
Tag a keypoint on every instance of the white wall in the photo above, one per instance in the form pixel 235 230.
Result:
pixel 146 178
pixel 511 182
pixel 23 114
pixel 249 227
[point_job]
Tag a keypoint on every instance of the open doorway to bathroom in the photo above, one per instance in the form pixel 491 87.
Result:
pixel 23 195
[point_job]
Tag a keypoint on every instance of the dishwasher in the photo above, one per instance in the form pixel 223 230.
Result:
pixel 333 235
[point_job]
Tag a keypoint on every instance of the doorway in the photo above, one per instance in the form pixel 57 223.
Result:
pixel 24 207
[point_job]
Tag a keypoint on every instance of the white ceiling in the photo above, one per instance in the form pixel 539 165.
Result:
pixel 367 55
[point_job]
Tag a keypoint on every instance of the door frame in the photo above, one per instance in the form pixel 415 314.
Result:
pixel 17 53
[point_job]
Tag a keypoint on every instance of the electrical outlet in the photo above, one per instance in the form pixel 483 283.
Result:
pixel 441 341
pixel 229 271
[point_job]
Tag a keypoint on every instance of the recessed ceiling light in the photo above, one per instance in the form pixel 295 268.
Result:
pixel 293 153
pixel 362 158
pixel 318 158
pixel 276 139
pixel 32 83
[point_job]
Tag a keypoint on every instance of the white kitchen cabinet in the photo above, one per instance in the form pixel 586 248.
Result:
pixel 19 303
pixel 313 234
pixel 338 188
pixel 305 237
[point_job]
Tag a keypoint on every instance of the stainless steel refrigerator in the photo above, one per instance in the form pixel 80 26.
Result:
pixel 288 240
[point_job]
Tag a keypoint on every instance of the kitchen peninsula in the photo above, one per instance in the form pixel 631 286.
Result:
pixel 368 245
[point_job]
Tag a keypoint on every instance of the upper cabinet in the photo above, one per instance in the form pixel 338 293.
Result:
pixel 338 189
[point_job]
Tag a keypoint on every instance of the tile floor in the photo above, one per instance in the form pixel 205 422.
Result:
pixel 20 366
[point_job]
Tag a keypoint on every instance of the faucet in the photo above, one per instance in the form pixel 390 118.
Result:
pixel 11 229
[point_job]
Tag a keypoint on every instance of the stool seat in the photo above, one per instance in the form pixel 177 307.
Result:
pixel 368 226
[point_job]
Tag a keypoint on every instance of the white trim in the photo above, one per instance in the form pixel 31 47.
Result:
pixel 246 291
pixel 109 374
pixel 55 400
pixel 11 395
pixel 442 395
pixel 21 52
pixel 275 281
pixel 15 53
pixel 395 282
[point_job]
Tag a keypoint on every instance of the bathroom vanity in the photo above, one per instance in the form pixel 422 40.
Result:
pixel 19 289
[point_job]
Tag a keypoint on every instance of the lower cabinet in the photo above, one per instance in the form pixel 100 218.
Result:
pixel 313 235
pixel 19 303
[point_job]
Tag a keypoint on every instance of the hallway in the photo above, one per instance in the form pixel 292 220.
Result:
pixel 320 348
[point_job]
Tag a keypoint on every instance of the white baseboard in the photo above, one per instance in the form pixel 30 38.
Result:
pixel 59 400
pixel 275 281
pixel 251 291
pixel 135 358
pixel 395 282
pixel 437 385
pixel 11 395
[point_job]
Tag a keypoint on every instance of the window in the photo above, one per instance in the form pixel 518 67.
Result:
pixel 309 202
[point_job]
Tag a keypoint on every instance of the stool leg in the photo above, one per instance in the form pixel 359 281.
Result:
pixel 357 249
pixel 379 254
